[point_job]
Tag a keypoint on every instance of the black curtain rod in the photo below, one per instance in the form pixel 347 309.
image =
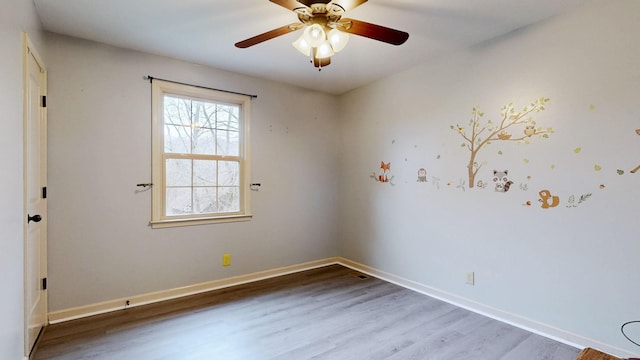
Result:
pixel 151 78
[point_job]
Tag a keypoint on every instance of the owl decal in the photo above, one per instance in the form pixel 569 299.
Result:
pixel 530 130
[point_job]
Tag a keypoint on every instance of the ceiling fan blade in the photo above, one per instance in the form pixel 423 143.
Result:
pixel 349 4
pixel 373 31
pixel 289 4
pixel 268 35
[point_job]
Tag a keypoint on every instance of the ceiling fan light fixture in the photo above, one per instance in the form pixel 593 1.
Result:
pixel 338 39
pixel 324 50
pixel 302 45
pixel 314 35
pixel 324 30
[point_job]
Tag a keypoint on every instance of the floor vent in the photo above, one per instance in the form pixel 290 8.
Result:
pixel 360 276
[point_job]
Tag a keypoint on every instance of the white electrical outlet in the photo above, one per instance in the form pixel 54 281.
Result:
pixel 471 278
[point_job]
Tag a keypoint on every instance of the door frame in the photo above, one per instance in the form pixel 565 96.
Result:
pixel 29 50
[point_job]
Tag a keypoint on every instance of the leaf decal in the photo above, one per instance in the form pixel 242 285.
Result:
pixel 584 198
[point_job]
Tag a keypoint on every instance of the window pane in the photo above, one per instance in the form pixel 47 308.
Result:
pixel 228 199
pixel 227 117
pixel 204 200
pixel 204 114
pixel 177 111
pixel 228 143
pixel 178 122
pixel 178 172
pixel 204 141
pixel 204 172
pixel 177 139
pixel 228 173
pixel 178 201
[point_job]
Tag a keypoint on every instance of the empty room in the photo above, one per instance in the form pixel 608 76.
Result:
pixel 295 179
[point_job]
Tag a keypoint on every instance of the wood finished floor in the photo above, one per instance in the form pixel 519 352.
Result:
pixel 326 313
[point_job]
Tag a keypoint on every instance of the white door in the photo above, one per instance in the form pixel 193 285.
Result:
pixel 35 167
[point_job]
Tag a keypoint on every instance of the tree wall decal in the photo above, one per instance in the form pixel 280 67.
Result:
pixel 481 133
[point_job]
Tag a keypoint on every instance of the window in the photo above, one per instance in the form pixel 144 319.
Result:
pixel 200 155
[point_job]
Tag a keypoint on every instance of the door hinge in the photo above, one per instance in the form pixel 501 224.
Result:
pixel 44 101
pixel 44 284
pixel 44 192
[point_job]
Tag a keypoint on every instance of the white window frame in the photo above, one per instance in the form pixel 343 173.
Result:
pixel 161 88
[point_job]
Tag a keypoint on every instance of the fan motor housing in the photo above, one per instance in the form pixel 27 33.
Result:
pixel 321 14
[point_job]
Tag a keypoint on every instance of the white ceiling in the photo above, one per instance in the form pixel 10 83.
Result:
pixel 205 31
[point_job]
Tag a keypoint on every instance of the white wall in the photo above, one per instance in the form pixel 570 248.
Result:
pixel 100 245
pixel 566 268
pixel 16 17
pixel 571 269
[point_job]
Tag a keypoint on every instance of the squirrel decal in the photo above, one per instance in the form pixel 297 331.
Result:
pixel 545 196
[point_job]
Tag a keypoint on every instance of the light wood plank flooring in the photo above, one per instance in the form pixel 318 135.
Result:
pixel 326 313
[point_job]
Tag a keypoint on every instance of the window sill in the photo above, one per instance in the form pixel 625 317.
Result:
pixel 161 224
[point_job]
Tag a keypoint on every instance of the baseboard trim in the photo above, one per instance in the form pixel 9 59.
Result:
pixel 154 297
pixel 530 325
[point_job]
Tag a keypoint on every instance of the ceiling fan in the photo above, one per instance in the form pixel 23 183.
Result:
pixel 325 30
